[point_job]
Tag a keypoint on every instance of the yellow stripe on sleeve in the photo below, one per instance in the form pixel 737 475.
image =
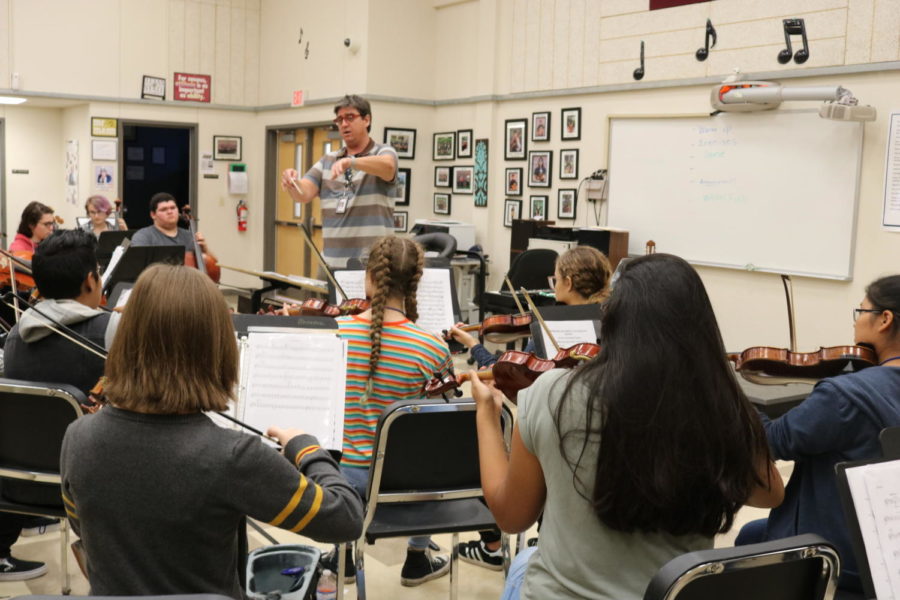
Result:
pixel 312 512
pixel 292 503
pixel 67 500
pixel 71 513
pixel 304 452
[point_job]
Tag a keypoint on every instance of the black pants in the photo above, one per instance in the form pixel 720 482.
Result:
pixel 11 525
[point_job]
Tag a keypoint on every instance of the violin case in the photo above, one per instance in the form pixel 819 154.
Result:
pixel 265 580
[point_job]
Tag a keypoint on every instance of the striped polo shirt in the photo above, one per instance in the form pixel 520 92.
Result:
pixel 410 356
pixel 369 214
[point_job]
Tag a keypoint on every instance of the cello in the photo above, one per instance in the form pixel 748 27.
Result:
pixel 196 257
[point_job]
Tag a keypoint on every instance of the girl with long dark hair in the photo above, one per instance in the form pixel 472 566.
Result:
pixel 636 457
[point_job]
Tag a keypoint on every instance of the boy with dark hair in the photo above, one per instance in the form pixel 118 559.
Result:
pixel 65 270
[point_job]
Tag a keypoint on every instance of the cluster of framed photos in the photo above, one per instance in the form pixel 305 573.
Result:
pixel 404 143
pixel 540 164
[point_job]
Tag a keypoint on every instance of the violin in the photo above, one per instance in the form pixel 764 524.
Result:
pixel 781 362
pixel 777 366
pixel 19 263
pixel 500 329
pixel 195 257
pixel 316 307
pixel 515 370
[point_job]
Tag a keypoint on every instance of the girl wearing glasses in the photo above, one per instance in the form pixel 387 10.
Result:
pixel 99 210
pixel 636 457
pixel 37 223
pixel 839 421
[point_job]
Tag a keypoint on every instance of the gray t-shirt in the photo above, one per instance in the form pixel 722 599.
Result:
pixel 151 236
pixel 578 556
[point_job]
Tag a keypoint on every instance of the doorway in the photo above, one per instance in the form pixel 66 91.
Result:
pixel 298 148
pixel 156 158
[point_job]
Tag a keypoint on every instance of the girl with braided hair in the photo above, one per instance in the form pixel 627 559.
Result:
pixel 389 358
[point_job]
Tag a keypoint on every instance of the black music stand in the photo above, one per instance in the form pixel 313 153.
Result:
pixel 138 258
pixel 108 242
pixel 242 323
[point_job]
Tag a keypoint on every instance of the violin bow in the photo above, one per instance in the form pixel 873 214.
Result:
pixel 12 259
pixel 309 242
pixel 789 298
pixel 540 319
pixel 515 297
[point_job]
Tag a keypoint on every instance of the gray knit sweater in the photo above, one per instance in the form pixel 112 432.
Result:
pixel 157 499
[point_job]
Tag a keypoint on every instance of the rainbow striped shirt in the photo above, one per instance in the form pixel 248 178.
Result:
pixel 410 356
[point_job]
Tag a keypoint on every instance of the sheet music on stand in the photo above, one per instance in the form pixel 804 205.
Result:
pixel 117 255
pixel 875 492
pixel 569 325
pixel 294 378
pixel 436 296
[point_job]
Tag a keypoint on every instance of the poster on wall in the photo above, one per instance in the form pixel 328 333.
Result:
pixel 191 87
pixel 72 171
pixel 104 178
pixel 481 172
pixel 890 219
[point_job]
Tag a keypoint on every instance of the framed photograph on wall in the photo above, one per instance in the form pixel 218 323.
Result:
pixel 400 217
pixel 540 127
pixel 463 179
pixel 570 128
pixel 464 143
pixel 402 140
pixel 442 176
pixel 404 179
pixel 565 204
pixel 442 204
pixel 104 149
pixel 104 127
pixel 538 208
pixel 226 147
pixel 444 146
pixel 514 181
pixel 568 164
pixel 512 210
pixel 540 167
pixel 516 145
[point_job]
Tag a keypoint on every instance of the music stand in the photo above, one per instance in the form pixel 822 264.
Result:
pixel 582 312
pixel 138 258
pixel 242 323
pixel 108 242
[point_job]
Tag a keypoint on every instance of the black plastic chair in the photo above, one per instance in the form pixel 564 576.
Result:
pixel 890 442
pixel 804 566
pixel 528 270
pixel 425 479
pixel 33 419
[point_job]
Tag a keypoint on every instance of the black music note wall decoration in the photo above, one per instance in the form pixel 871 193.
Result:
pixel 794 27
pixel 639 72
pixel 300 39
pixel 703 53
pixel 306 52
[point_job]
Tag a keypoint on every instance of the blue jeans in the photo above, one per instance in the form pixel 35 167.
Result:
pixel 516 575
pixel 753 532
pixel 359 480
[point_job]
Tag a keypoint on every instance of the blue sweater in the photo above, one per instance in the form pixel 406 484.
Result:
pixel 839 421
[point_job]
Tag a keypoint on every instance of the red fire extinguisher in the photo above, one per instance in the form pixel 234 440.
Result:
pixel 242 216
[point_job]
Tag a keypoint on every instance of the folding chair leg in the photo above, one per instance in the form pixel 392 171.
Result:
pixel 64 556
pixel 504 551
pixel 454 567
pixel 360 558
pixel 339 576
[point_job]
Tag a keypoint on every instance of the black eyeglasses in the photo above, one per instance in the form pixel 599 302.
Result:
pixel 857 312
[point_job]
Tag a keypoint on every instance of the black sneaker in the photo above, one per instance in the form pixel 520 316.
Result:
pixel 13 569
pixel 476 553
pixel 40 526
pixel 330 561
pixel 421 566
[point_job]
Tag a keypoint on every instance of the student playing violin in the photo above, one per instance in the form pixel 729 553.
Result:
pixel 581 276
pixel 635 457
pixel 155 489
pixel 839 421
pixel 390 358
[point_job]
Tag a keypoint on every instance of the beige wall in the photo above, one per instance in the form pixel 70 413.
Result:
pixel 436 65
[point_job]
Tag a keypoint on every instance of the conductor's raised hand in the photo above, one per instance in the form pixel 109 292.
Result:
pixel 287 177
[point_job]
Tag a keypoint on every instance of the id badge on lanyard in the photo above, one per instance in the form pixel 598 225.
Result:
pixel 344 200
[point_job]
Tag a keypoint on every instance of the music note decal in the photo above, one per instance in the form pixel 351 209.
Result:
pixel 306 52
pixel 794 27
pixel 639 72
pixel 703 53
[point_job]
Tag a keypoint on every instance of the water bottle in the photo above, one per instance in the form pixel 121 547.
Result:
pixel 327 587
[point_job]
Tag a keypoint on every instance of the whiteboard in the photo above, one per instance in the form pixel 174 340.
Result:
pixel 767 191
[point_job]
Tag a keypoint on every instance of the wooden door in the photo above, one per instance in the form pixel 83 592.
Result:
pixel 299 149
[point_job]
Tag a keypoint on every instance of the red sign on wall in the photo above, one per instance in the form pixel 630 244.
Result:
pixel 192 88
